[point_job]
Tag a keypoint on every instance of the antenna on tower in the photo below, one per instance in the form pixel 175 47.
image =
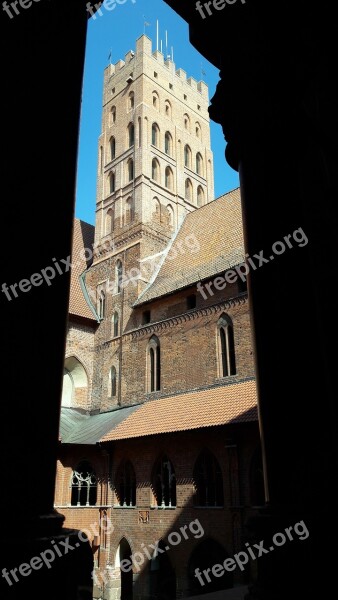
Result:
pixel 166 43
pixel 172 53
pixel 157 35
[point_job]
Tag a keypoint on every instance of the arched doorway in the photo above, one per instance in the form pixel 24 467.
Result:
pixel 162 575
pixel 126 575
pixel 207 554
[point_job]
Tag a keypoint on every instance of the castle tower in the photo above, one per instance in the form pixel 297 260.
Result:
pixel 154 165
pixel 155 161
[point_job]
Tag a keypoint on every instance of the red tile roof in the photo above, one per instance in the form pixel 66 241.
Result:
pixel 209 241
pixel 235 403
pixel 83 237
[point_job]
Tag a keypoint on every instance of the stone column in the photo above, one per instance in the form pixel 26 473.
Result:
pixel 277 104
pixel 43 57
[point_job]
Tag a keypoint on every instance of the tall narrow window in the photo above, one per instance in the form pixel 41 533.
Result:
pixel 168 143
pixel 130 167
pixel 139 132
pixel 155 134
pixel 84 485
pixel 112 148
pixel 130 210
pixel 116 324
pixel 155 170
pixel 187 156
pixel 156 101
pixel 113 115
pixel 208 481
pixel 199 164
pixel 169 178
pixel 186 120
pixel 200 196
pixel 125 488
pixel 102 305
pixel 168 109
pixel 112 382
pixel 101 161
pixel 188 190
pixel 226 347
pixel 164 483
pixel 111 183
pixel 109 225
pixel 198 130
pixel 131 100
pixel 131 134
pixel 118 276
pixel 154 365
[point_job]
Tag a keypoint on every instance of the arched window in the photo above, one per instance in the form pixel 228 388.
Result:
pixel 131 100
pixel 188 190
pixel 156 101
pixel 198 130
pixel 187 156
pixel 112 382
pixel 226 347
pixel 111 183
pixel 118 276
pixel 155 170
pixel 164 483
pixel 130 169
pixel 115 324
pixel 109 224
pixel 157 210
pixel 169 178
pixel 154 365
pixel 167 109
pixel 131 134
pixel 199 164
pixel 186 121
pixel 84 485
pixel 208 481
pixel 75 383
pixel 112 145
pixel 200 196
pixel 168 143
pixel 113 115
pixel 102 304
pixel 130 210
pixel 170 215
pixel 125 487
pixel 155 134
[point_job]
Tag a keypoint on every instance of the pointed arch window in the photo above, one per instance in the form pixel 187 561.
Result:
pixel 131 134
pixel 208 481
pixel 84 485
pixel 168 109
pixel 109 224
pixel 125 488
pixel 155 170
pixel 169 178
pixel 130 210
pixel 112 144
pixel 155 134
pixel 131 100
pixel 112 382
pixel 226 347
pixel 200 196
pixel 154 365
pixel 164 483
pixel 111 183
pixel 187 156
pixel 116 324
pixel 186 121
pixel 188 190
pixel 130 169
pixel 113 115
pixel 102 304
pixel 118 276
pixel 199 164
pixel 168 143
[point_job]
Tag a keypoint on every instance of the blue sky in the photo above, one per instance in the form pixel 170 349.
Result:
pixel 117 31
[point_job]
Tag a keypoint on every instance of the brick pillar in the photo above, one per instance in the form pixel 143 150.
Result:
pixel 43 50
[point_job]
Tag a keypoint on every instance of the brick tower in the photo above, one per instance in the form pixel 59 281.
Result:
pixel 155 165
